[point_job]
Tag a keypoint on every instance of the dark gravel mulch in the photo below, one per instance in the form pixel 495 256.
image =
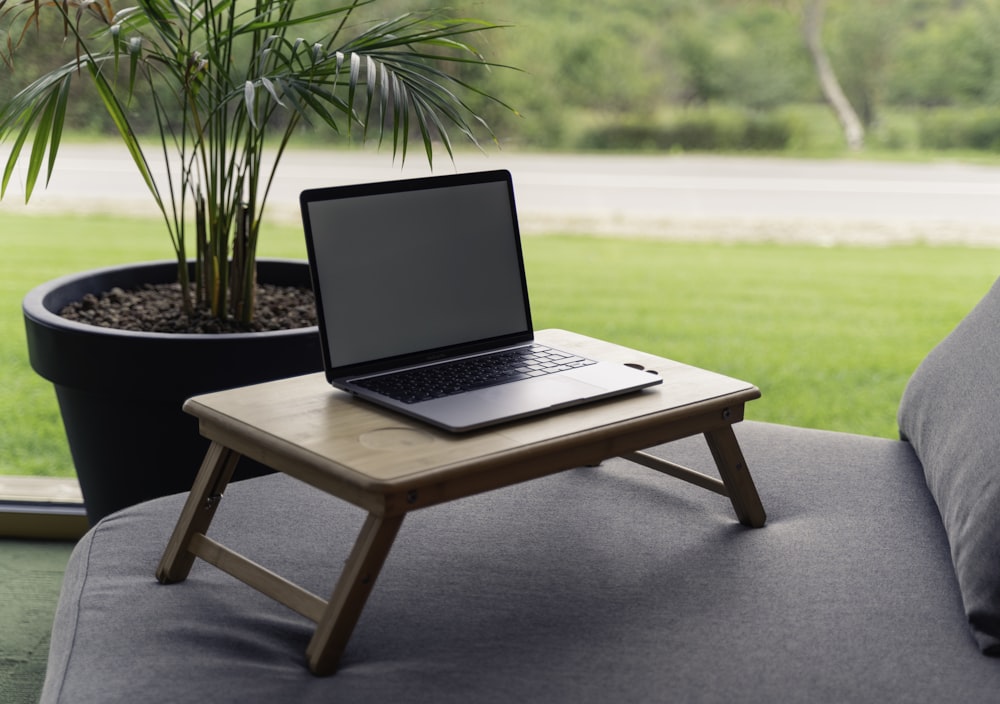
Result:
pixel 158 308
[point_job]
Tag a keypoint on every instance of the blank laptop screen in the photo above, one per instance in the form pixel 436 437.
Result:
pixel 415 270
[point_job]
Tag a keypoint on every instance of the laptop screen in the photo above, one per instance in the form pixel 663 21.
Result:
pixel 407 267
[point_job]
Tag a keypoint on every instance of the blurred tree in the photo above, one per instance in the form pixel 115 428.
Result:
pixel 861 42
pixel 812 26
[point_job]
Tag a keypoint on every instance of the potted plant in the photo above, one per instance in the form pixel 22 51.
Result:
pixel 221 86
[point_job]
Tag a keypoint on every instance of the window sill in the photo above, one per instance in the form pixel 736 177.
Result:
pixel 47 508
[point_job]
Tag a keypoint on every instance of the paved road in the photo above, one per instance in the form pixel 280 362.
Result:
pixel 723 198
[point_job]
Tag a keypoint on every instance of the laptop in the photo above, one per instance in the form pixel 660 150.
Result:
pixel 420 287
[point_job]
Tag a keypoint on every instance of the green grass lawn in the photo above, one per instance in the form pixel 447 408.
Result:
pixel 830 335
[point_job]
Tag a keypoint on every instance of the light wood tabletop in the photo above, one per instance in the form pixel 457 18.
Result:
pixel 390 465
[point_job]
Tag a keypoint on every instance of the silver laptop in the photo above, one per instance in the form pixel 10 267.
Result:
pixel 423 304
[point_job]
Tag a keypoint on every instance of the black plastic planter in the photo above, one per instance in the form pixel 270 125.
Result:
pixel 120 393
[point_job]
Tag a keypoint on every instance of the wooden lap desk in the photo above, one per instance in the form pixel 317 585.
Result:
pixel 389 465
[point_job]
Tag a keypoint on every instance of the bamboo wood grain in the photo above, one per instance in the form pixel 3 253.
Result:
pixel 678 472
pixel 349 596
pixel 296 598
pixel 199 509
pixel 305 428
pixel 733 468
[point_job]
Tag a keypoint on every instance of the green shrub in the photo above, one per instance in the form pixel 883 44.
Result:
pixel 765 132
pixel 695 130
pixel 961 128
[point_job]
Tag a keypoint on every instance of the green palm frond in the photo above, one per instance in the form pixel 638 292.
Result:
pixel 224 79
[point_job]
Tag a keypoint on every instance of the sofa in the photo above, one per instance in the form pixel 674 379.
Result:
pixel 876 578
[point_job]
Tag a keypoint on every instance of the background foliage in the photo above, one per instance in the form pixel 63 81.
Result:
pixel 639 74
pixel 591 66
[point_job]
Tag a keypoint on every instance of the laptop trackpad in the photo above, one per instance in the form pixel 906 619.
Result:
pixel 527 397
pixel 543 392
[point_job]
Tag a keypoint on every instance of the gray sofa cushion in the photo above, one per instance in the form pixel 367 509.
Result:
pixel 600 584
pixel 950 412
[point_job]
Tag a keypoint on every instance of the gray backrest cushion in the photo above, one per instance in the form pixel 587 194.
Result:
pixel 950 412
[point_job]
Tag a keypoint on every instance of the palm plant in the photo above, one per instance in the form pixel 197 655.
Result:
pixel 228 82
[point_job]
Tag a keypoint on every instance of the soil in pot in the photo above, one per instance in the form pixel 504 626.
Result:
pixel 159 308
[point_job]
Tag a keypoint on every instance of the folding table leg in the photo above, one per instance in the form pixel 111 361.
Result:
pixel 735 475
pixel 349 596
pixel 213 477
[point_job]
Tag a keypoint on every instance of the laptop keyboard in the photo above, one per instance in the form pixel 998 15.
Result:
pixel 449 378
